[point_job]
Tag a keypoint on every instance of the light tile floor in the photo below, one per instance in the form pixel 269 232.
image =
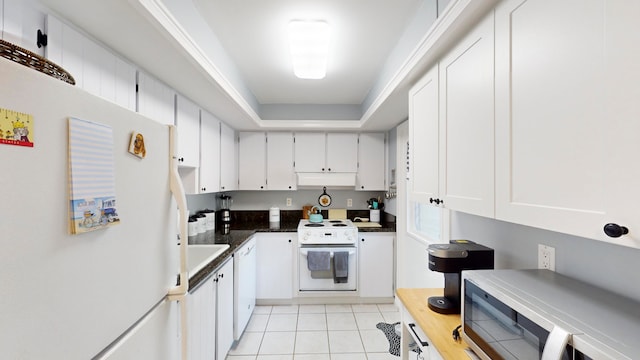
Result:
pixel 316 332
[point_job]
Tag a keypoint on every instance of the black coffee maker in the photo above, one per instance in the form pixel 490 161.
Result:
pixel 224 213
pixel 451 259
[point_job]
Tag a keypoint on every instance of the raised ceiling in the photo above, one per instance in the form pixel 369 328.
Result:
pixel 363 35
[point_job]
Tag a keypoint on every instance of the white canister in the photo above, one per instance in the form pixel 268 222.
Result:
pixel 192 227
pixel 374 215
pixel 210 223
pixel 274 215
pixel 202 223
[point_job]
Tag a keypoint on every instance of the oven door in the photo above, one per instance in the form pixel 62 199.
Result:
pixel 324 280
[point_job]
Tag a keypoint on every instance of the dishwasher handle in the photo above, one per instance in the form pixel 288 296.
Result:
pixel 249 250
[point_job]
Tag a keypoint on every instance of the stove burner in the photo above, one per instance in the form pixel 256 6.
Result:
pixel 340 224
pixel 314 225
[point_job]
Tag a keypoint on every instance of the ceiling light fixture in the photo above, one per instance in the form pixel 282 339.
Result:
pixel 309 46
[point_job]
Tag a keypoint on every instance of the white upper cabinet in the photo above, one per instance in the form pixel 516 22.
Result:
pixel 252 161
pixel 466 131
pixel 280 172
pixel 621 169
pixel 342 152
pixel 209 153
pixel 326 152
pixel 188 124
pixel 155 100
pixel 228 158
pixel 371 162
pixel 310 152
pixel 423 138
pixel 94 68
pixel 551 120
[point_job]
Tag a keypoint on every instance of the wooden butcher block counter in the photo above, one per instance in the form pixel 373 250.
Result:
pixel 437 327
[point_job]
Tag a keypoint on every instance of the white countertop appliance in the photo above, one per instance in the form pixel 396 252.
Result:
pixel 540 314
pixel 328 255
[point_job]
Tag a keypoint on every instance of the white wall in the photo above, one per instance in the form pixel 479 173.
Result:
pixel 263 200
pixel 612 267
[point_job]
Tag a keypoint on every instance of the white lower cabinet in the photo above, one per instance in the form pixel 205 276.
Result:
pixel 210 316
pixel 411 332
pixel 201 321
pixel 274 261
pixel 375 261
pixel 224 314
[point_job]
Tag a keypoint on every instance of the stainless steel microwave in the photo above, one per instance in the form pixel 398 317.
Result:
pixel 539 314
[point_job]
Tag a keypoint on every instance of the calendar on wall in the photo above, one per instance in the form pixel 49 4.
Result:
pixel 16 128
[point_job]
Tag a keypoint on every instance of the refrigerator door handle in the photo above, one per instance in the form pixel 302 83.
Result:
pixel 178 293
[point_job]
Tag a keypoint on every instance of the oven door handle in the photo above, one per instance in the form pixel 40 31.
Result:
pixel 306 252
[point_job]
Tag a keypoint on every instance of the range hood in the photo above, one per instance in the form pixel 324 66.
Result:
pixel 330 180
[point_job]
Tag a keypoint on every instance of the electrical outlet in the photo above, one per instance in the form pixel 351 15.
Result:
pixel 288 201
pixel 349 202
pixel 546 257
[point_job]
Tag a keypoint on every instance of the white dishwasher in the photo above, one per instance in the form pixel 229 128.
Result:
pixel 244 286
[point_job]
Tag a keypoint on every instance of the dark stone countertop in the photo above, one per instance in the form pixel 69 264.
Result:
pixel 242 228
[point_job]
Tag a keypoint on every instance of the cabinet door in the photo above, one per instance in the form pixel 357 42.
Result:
pixel 280 172
pixel 125 85
pixel 466 171
pixel 228 160
pixel 375 261
pixel 252 161
pixel 188 124
pixel 274 258
pixel 224 331
pixel 371 162
pixel 209 153
pixel 201 321
pixel 155 100
pixel 342 152
pixel 423 138
pixel 550 116
pixel 310 152
pixel 622 168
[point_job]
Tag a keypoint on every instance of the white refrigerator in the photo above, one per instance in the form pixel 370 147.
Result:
pixel 100 294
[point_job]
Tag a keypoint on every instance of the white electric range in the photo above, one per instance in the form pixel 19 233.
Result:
pixel 328 238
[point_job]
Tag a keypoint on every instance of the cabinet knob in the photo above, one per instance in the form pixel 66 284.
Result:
pixel 329 169
pixel 289 240
pixel 322 169
pixel 615 230
pixel 362 187
pixel 437 201
pixel 261 187
pixel 204 189
pixel 181 159
pixel 362 240
pixel 221 275
pixel 289 186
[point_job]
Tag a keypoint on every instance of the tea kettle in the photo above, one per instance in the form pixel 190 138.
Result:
pixel 314 215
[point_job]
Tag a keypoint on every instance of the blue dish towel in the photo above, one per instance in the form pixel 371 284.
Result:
pixel 319 261
pixel 340 267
